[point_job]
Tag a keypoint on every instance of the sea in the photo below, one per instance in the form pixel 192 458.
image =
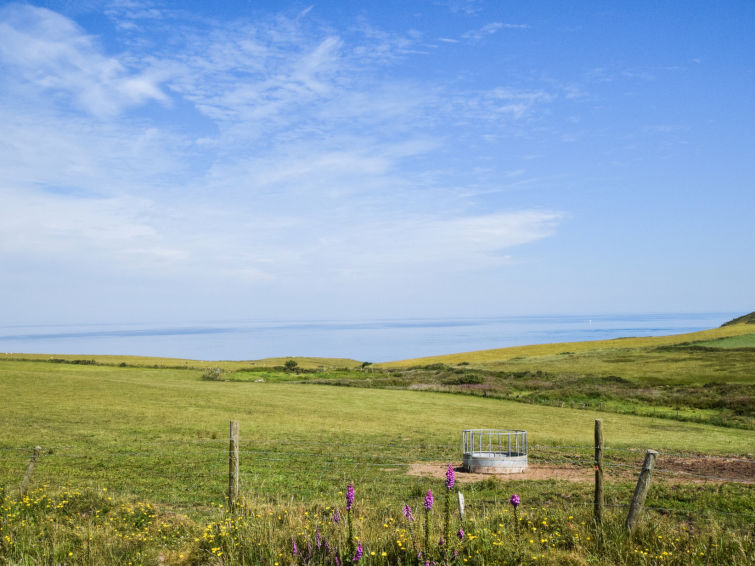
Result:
pixel 364 340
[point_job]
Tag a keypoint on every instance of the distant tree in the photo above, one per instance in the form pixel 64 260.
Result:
pixel 290 365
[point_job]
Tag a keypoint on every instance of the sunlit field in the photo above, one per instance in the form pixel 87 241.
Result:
pixel 142 453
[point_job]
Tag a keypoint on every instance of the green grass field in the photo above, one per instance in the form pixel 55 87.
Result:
pixel 733 342
pixel 106 419
pixel 134 459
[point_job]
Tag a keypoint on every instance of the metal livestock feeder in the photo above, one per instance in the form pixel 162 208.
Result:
pixel 490 451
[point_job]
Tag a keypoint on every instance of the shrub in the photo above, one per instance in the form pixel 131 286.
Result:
pixel 214 374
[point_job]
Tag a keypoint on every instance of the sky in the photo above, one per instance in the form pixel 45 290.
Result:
pixel 242 160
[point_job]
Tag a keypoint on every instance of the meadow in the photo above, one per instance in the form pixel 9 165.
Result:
pixel 134 464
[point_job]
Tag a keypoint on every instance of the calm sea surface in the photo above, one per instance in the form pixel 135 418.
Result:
pixel 372 340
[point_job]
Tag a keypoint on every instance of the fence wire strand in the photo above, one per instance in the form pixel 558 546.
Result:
pixel 262 459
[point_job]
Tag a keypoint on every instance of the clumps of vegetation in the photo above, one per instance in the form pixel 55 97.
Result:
pixel 76 362
pixel 464 379
pixel 214 374
pixel 742 343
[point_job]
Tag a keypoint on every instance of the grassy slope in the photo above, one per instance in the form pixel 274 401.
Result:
pixel 53 404
pixel 538 350
pixel 150 431
pixel 745 319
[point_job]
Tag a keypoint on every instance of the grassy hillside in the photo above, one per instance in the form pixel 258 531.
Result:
pixel 134 470
pixel 706 376
pixel 111 422
pixel 500 355
pixel 746 319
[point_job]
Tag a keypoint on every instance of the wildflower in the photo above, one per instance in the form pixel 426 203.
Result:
pixel 358 554
pixel 450 477
pixel 429 500
pixel 294 547
pixel 408 512
pixel 336 516
pixel 515 503
pixel 350 497
pixel 349 505
pixel 428 507
pixel 460 534
pixel 441 541
pixel 318 538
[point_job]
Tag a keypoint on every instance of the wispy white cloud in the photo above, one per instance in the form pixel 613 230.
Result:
pixel 501 103
pixel 288 158
pixel 51 52
pixel 468 7
pixel 490 29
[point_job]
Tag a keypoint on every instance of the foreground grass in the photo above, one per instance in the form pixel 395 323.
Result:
pixel 73 526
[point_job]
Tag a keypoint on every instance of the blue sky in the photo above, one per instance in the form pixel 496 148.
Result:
pixel 261 160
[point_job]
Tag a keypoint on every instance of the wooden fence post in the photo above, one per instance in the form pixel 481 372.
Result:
pixel 29 470
pixel 640 492
pixel 233 466
pixel 598 471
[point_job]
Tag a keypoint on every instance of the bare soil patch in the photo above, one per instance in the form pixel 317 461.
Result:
pixel 670 468
pixel 709 468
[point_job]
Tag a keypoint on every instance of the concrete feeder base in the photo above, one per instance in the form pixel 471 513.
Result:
pixel 492 463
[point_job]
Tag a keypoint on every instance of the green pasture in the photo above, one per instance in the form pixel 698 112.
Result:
pixel 134 463
pixel 162 433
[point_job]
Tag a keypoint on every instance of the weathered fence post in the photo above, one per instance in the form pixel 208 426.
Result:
pixel 640 492
pixel 29 470
pixel 598 471
pixel 233 466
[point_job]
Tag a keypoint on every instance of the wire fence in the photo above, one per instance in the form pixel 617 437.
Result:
pixel 190 472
